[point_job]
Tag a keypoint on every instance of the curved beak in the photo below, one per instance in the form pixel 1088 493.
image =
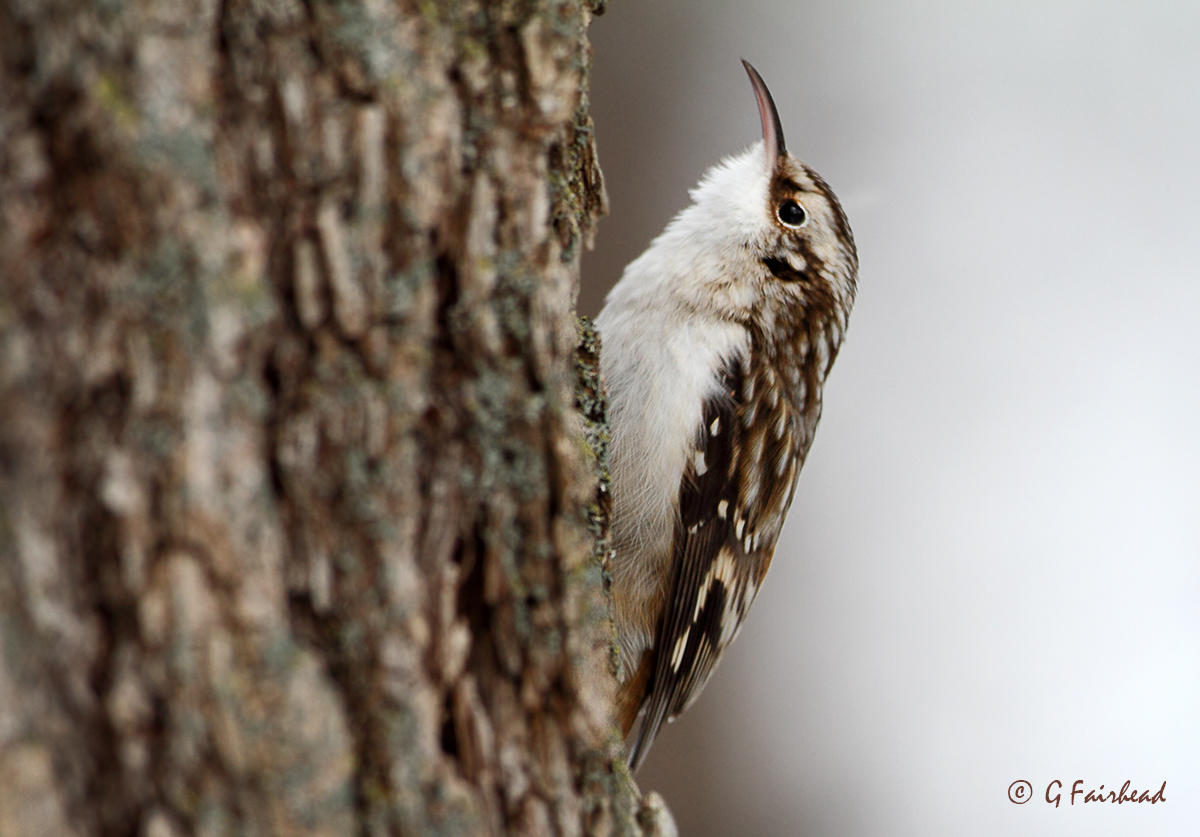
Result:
pixel 772 130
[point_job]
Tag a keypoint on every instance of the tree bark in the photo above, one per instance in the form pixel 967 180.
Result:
pixel 300 527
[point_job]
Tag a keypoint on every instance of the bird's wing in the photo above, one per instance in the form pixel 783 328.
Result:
pixel 719 561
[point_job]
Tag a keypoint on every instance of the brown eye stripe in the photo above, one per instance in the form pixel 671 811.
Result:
pixel 784 188
pixel 781 270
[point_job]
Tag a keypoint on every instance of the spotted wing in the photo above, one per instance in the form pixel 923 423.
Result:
pixel 722 550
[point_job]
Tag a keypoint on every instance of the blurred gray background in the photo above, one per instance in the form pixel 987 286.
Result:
pixel 991 571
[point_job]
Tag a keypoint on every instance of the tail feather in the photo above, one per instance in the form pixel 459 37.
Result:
pixel 641 710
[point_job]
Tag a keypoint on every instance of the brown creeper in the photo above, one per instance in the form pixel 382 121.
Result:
pixel 717 341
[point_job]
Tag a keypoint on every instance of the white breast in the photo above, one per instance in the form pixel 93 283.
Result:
pixel 660 364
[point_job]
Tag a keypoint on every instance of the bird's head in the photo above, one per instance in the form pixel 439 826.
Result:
pixel 764 242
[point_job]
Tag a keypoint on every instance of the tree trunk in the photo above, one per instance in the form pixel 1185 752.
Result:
pixel 299 523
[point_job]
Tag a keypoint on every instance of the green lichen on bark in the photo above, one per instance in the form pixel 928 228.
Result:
pixel 577 185
pixel 592 402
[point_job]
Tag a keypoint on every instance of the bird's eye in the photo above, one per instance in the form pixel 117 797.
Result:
pixel 791 214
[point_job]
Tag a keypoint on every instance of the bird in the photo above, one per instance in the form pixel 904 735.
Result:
pixel 715 345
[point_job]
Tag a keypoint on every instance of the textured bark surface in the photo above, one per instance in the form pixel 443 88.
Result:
pixel 297 515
